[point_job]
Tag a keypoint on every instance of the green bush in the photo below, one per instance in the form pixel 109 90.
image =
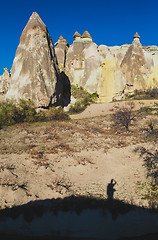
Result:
pixel 78 92
pixel 83 97
pixel 144 94
pixel 94 95
pixel 27 110
pixel 9 113
pixel 80 105
pixel 52 114
pixel 24 111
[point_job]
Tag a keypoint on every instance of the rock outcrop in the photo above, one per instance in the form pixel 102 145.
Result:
pixel 4 81
pixel 96 69
pixel 61 51
pixel 134 65
pixel 83 61
pixel 111 71
pixel 34 73
pixel 45 75
pixel 140 67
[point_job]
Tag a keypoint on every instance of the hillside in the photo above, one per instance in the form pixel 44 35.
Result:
pixel 76 157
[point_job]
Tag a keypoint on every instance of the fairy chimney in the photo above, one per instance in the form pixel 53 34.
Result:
pixel 34 74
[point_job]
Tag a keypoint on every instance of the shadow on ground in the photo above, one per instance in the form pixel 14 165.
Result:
pixel 36 209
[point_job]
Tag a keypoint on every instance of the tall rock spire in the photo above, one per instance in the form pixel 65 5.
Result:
pixel 134 65
pixel 60 51
pixel 34 73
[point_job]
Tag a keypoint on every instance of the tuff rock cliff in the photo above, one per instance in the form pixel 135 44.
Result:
pixel 4 81
pixel 111 71
pixel 45 74
pixel 35 71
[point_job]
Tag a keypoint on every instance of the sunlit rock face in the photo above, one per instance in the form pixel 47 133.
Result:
pixel 119 51
pixel 136 66
pixel 44 74
pixel 112 81
pixel 4 81
pixel 61 51
pixel 34 73
pixel 83 61
pixel 151 54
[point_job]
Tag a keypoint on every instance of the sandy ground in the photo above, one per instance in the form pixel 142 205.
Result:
pixel 78 157
pixel 106 108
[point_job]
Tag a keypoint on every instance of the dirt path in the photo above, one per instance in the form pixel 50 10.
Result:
pixel 100 109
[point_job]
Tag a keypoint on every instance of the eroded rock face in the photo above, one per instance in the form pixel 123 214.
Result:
pixel 4 81
pixel 34 73
pixel 96 69
pixel 112 81
pixel 83 61
pixel 111 71
pixel 61 51
pixel 135 66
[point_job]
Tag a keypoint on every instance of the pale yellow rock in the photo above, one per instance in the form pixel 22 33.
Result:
pixel 112 81
pixel 152 81
pixel 4 81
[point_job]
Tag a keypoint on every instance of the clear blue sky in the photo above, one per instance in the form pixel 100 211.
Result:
pixel 110 22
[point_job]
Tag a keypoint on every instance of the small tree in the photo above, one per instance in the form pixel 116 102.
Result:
pixel 125 116
pixel 150 162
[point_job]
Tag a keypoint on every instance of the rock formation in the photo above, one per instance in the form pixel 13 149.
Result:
pixel 4 81
pixel 61 51
pixel 109 71
pixel 82 62
pixel 87 36
pixel 76 35
pixel 134 65
pixel 34 73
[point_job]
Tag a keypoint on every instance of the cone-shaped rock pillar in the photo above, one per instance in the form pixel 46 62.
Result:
pixel 34 74
pixel 134 65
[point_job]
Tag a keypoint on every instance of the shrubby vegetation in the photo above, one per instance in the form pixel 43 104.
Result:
pixel 52 114
pixel 24 111
pixel 83 98
pixel 125 116
pixel 144 94
pixel 11 113
pixel 150 162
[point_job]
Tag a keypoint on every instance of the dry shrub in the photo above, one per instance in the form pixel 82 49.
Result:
pixel 124 116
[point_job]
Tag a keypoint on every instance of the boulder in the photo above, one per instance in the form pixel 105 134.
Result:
pixel 34 74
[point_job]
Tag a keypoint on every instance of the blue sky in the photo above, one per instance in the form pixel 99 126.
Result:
pixel 109 22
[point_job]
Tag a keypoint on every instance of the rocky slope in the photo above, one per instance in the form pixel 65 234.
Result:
pixel 76 157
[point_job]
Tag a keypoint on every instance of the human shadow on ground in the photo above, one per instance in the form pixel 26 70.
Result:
pixel 111 189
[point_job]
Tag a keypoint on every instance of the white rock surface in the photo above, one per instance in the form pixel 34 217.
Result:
pixel 34 73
